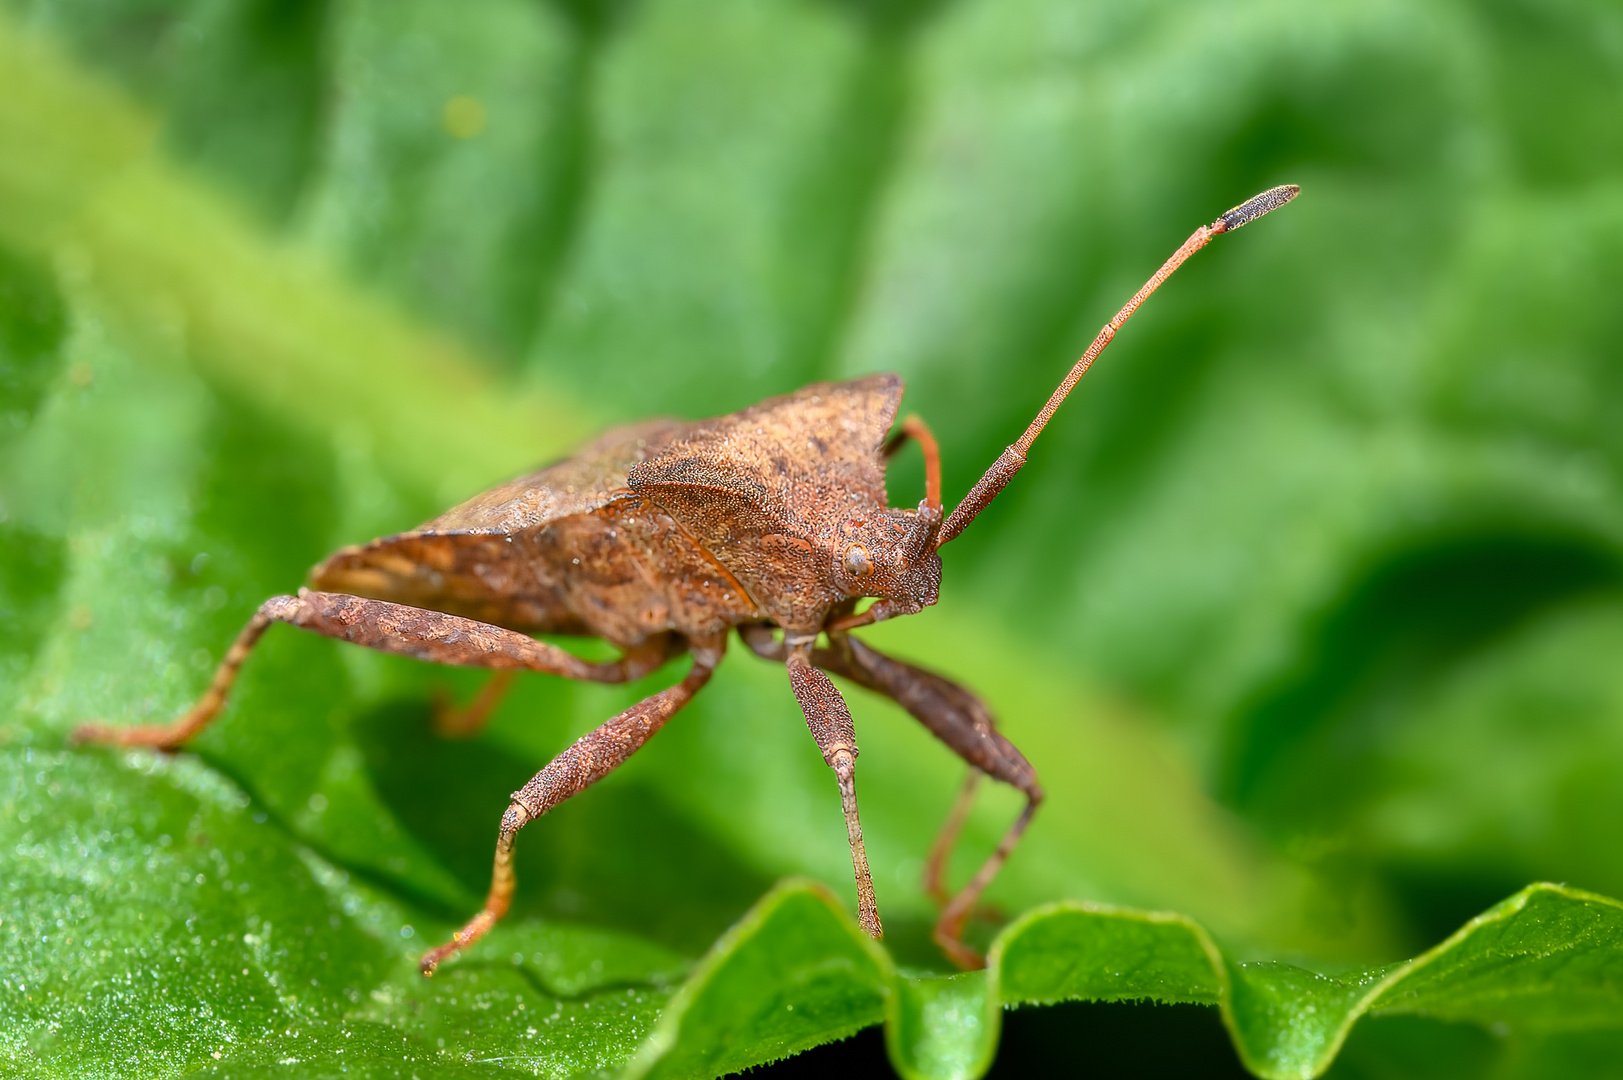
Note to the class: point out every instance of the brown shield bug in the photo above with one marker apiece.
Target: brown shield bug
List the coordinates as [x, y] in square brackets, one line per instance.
[661, 538]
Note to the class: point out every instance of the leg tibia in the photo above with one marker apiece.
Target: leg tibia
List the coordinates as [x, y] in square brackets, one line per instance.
[935, 867]
[591, 758]
[845, 769]
[208, 706]
[830, 724]
[949, 928]
[502, 884]
[959, 719]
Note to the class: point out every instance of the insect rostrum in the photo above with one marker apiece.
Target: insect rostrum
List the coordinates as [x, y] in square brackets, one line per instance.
[662, 538]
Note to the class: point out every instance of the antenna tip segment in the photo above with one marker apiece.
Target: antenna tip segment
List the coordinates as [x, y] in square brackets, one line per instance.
[1256, 206]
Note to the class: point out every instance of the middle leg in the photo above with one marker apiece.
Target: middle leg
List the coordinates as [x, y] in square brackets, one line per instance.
[590, 759]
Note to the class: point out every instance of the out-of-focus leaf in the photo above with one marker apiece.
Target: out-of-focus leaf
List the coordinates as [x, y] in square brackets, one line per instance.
[180, 268]
[453, 158]
[1468, 790]
[32, 322]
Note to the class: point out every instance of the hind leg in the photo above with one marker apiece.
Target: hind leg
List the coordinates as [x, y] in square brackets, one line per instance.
[935, 867]
[378, 624]
[461, 722]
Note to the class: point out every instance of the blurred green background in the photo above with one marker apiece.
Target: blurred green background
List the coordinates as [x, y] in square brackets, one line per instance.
[1308, 608]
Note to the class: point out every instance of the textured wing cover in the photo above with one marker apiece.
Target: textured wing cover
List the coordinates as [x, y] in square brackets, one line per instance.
[576, 485]
[479, 559]
[764, 489]
[577, 548]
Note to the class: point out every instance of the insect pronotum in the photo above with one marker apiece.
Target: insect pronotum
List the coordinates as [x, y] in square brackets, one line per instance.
[661, 538]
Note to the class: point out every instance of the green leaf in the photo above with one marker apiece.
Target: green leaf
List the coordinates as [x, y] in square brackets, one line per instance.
[298, 961]
[1305, 607]
[789, 976]
[155, 922]
[1549, 959]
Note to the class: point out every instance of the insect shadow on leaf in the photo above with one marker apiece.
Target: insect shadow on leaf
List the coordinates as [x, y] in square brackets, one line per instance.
[683, 889]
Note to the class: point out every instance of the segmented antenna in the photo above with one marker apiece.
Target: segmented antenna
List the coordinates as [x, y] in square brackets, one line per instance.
[1010, 461]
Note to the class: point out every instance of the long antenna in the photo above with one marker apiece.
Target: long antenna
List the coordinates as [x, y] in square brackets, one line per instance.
[1010, 461]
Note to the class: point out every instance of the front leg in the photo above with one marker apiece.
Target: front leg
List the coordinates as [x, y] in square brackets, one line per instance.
[593, 757]
[959, 719]
[830, 723]
[378, 624]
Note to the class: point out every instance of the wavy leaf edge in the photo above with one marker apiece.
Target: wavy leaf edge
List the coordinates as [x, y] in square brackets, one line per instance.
[1263, 1060]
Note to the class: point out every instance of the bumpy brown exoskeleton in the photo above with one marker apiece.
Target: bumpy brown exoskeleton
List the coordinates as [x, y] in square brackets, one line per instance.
[661, 538]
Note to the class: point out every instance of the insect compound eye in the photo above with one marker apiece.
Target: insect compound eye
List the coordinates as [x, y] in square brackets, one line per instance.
[856, 561]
